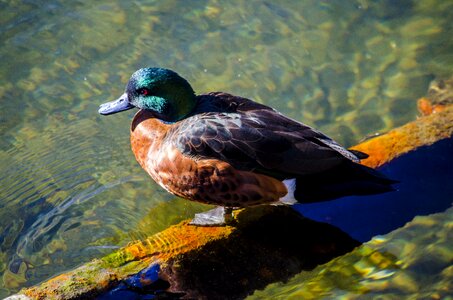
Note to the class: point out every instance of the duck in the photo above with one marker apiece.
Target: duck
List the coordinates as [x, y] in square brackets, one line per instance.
[232, 152]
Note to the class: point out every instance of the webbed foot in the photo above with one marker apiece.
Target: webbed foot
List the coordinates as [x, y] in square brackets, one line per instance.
[219, 216]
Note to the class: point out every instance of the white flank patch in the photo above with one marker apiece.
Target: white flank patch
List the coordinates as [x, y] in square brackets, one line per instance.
[291, 187]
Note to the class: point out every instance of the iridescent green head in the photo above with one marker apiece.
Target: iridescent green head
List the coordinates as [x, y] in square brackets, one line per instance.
[161, 91]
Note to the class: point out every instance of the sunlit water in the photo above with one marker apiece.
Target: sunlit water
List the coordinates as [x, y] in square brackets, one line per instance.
[70, 187]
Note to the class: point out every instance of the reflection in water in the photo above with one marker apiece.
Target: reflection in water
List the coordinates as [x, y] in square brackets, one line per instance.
[350, 68]
[424, 188]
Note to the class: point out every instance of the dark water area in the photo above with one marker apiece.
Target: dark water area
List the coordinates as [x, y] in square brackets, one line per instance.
[424, 188]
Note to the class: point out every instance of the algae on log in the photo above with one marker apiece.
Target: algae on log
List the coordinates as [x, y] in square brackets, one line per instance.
[102, 274]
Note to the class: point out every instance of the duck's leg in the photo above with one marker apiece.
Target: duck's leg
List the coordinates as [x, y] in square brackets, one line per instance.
[219, 216]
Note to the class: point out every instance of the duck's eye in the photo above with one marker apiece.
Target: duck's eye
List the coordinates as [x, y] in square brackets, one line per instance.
[144, 92]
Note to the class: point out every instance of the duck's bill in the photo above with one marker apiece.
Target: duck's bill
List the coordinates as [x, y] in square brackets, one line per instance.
[113, 107]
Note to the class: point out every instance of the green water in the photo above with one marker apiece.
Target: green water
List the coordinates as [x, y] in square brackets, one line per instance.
[70, 187]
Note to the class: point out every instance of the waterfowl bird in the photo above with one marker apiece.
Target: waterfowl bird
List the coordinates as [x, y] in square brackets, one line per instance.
[230, 151]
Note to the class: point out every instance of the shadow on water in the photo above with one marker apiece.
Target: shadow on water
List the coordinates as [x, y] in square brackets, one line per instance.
[281, 242]
[425, 188]
[271, 243]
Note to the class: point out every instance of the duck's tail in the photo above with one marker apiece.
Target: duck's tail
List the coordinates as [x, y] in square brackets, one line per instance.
[347, 179]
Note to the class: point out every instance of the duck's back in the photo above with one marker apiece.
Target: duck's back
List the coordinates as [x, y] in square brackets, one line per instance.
[253, 137]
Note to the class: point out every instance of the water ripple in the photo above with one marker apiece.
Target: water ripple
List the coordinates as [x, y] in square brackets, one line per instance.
[48, 223]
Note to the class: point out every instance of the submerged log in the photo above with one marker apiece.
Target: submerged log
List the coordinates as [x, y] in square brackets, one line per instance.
[424, 131]
[266, 244]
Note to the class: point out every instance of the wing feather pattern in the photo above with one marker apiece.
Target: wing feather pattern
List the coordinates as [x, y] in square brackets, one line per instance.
[253, 137]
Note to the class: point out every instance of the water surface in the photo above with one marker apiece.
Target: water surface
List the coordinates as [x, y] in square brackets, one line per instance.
[70, 187]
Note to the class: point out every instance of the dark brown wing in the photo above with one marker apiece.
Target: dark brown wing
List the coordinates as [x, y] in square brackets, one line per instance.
[251, 136]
